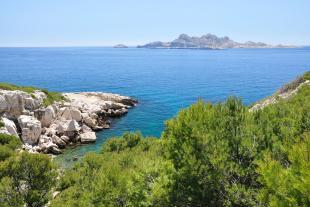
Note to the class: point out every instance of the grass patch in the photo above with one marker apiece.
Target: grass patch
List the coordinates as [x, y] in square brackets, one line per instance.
[51, 97]
[11, 87]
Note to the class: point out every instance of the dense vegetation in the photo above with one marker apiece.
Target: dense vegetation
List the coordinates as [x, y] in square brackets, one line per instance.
[51, 97]
[25, 179]
[208, 155]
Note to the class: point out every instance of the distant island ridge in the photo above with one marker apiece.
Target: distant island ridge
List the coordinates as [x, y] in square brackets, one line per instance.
[120, 46]
[208, 41]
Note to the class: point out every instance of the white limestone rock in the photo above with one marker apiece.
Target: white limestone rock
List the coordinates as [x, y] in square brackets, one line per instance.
[73, 126]
[88, 120]
[3, 104]
[45, 115]
[59, 142]
[76, 114]
[31, 129]
[87, 137]
[10, 127]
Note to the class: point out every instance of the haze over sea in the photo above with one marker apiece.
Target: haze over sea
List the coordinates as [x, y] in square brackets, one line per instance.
[163, 80]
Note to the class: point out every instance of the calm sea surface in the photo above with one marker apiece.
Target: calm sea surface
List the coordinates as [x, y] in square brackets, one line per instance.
[162, 80]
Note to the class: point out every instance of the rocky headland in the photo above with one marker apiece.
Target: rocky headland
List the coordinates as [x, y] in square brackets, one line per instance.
[49, 126]
[208, 41]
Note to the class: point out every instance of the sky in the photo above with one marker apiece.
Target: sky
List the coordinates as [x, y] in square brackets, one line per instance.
[38, 23]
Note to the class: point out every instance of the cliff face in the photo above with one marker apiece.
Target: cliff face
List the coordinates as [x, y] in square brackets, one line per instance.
[47, 129]
[208, 41]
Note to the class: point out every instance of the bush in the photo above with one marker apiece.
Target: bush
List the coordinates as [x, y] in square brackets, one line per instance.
[10, 141]
[30, 178]
[307, 75]
[124, 174]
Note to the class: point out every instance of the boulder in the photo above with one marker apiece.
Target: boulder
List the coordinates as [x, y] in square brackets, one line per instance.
[66, 114]
[72, 129]
[76, 114]
[73, 126]
[54, 150]
[88, 120]
[44, 139]
[86, 128]
[10, 126]
[15, 103]
[87, 137]
[45, 115]
[59, 142]
[31, 129]
[71, 113]
[64, 138]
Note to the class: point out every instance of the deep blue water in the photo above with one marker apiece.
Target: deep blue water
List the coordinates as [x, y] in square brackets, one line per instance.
[162, 80]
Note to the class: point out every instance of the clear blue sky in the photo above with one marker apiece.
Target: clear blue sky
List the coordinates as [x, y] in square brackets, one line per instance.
[102, 23]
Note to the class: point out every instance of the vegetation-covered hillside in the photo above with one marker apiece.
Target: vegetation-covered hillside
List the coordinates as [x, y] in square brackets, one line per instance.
[209, 155]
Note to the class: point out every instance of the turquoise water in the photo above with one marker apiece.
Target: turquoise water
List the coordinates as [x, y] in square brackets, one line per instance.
[162, 80]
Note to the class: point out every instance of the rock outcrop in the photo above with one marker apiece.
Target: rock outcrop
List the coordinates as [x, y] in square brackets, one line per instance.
[30, 129]
[48, 129]
[9, 127]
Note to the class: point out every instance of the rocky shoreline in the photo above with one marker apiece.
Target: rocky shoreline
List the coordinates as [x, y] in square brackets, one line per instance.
[48, 129]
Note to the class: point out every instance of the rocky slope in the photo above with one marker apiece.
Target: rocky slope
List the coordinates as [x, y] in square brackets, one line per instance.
[208, 41]
[284, 93]
[47, 129]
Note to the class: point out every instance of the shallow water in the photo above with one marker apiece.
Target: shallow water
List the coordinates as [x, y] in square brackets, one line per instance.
[162, 80]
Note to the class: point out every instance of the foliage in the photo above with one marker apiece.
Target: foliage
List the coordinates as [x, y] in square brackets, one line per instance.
[211, 150]
[8, 145]
[24, 178]
[307, 75]
[51, 97]
[123, 174]
[209, 155]
[287, 185]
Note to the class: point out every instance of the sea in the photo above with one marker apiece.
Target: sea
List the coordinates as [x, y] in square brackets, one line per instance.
[162, 80]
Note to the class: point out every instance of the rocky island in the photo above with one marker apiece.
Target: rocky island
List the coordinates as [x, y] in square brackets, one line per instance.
[208, 41]
[120, 46]
[47, 122]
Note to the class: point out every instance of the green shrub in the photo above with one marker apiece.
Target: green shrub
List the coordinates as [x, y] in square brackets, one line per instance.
[10, 141]
[307, 75]
[52, 97]
[32, 176]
